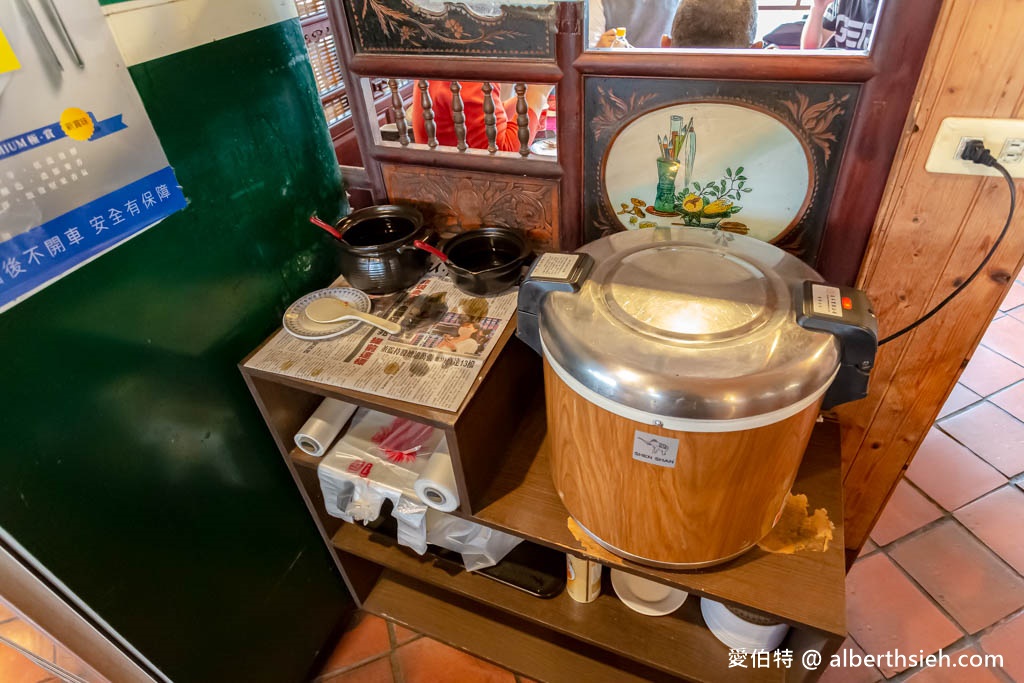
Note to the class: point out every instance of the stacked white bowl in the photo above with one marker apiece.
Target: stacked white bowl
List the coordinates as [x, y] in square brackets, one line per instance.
[741, 629]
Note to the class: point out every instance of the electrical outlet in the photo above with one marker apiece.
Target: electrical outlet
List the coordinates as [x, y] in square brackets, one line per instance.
[1012, 151]
[1003, 137]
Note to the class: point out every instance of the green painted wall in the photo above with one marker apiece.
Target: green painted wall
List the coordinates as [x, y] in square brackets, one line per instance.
[134, 463]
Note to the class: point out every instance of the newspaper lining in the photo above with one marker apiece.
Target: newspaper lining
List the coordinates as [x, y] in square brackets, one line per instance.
[446, 338]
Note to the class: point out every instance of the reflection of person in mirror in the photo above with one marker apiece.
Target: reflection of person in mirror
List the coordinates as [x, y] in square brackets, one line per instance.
[843, 24]
[713, 24]
[470, 340]
[507, 139]
[645, 22]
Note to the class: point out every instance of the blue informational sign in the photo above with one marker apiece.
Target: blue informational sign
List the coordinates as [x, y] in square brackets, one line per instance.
[81, 168]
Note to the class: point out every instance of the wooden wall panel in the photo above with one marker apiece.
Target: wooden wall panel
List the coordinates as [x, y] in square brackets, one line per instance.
[454, 201]
[930, 233]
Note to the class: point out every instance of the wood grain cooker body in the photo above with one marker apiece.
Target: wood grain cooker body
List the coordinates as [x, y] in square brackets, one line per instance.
[723, 495]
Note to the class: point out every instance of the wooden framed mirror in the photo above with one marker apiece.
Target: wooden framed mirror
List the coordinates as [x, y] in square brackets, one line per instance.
[847, 109]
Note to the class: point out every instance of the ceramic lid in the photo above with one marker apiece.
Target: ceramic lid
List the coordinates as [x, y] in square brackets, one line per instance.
[689, 323]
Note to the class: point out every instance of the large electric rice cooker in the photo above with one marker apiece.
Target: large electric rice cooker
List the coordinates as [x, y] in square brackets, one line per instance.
[684, 370]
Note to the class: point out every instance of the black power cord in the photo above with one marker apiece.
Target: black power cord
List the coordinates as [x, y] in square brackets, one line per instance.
[974, 151]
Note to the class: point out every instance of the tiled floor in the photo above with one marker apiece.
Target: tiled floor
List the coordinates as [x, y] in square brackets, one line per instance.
[376, 651]
[945, 568]
[16, 667]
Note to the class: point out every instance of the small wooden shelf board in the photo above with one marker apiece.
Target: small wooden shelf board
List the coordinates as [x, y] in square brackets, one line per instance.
[500, 456]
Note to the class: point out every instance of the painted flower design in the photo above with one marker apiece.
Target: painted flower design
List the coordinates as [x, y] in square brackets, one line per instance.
[406, 33]
[454, 27]
[816, 119]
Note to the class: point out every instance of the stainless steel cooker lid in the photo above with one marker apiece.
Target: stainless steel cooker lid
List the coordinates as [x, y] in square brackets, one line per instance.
[689, 323]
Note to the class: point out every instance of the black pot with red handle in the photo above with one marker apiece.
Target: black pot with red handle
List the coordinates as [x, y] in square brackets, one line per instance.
[484, 261]
[377, 251]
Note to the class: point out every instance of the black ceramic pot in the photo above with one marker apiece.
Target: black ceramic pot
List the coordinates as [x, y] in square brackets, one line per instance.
[377, 252]
[486, 261]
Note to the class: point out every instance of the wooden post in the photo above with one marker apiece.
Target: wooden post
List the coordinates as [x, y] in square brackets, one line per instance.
[398, 109]
[569, 47]
[490, 123]
[428, 114]
[458, 117]
[523, 119]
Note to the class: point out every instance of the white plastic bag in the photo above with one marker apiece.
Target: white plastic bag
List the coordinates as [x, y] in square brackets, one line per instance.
[411, 515]
[379, 457]
[480, 546]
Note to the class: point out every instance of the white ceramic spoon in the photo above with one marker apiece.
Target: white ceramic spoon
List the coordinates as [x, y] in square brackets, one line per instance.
[330, 310]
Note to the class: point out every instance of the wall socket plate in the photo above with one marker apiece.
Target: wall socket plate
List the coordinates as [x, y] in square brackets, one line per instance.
[1003, 137]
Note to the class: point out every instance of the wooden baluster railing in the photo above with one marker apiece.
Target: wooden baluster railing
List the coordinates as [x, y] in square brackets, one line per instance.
[458, 116]
[490, 123]
[523, 119]
[398, 109]
[428, 114]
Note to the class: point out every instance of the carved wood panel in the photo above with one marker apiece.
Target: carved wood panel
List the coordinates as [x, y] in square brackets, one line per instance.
[407, 27]
[456, 201]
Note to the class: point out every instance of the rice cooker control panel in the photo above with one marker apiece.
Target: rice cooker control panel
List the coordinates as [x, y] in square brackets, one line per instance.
[845, 312]
[551, 272]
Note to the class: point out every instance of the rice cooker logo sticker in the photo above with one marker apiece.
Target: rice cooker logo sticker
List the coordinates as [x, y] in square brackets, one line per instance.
[655, 449]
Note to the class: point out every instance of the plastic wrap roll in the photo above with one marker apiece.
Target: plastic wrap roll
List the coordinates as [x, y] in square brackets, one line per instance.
[323, 426]
[436, 486]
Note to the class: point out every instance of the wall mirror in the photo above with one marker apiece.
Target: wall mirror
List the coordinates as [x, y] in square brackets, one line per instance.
[753, 26]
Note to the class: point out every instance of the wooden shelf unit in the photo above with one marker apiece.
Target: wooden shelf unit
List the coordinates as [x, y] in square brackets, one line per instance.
[499, 453]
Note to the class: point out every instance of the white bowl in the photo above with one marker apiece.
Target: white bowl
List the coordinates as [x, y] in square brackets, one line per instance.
[738, 633]
[645, 596]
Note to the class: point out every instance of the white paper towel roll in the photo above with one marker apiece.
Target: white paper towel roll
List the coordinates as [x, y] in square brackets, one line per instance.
[323, 426]
[436, 486]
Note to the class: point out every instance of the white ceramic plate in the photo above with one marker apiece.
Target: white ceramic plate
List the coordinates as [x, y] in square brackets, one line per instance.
[545, 148]
[626, 587]
[297, 324]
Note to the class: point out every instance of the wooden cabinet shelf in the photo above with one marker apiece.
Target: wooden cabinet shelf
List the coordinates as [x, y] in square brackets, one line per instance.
[803, 589]
[660, 643]
[500, 456]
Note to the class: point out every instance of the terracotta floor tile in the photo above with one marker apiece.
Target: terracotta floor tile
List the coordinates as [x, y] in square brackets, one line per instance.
[962, 575]
[427, 661]
[858, 674]
[885, 611]
[1006, 640]
[949, 473]
[366, 637]
[16, 667]
[988, 372]
[1014, 298]
[906, 511]
[998, 520]
[377, 671]
[1018, 313]
[1004, 336]
[992, 433]
[1011, 400]
[960, 397]
[402, 634]
[869, 547]
[29, 637]
[951, 674]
